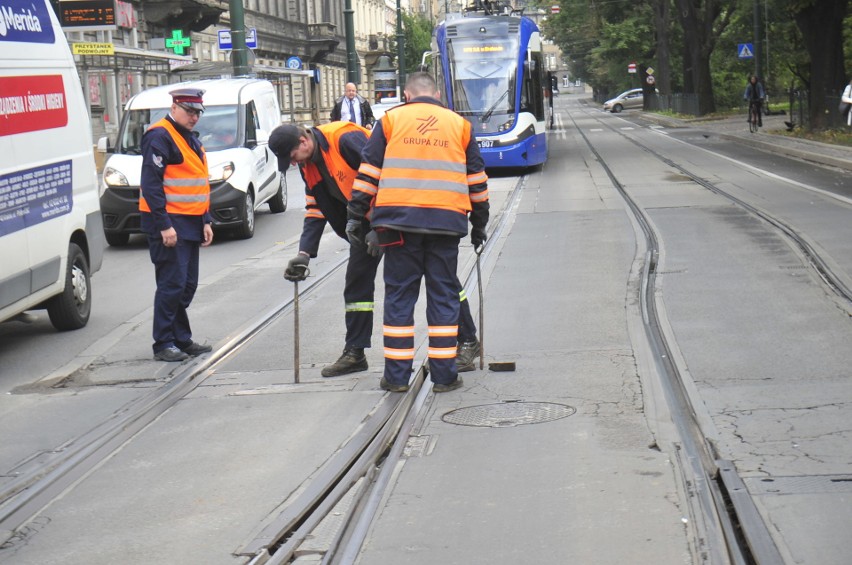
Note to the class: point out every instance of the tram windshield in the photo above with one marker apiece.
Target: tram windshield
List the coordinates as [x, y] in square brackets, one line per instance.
[483, 78]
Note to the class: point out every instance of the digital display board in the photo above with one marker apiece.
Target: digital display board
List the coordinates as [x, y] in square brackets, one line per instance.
[78, 15]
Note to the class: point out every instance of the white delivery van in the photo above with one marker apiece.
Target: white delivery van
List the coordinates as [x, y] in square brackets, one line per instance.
[234, 129]
[51, 235]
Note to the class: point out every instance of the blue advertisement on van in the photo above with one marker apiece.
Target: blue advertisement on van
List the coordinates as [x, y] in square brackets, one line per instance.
[25, 21]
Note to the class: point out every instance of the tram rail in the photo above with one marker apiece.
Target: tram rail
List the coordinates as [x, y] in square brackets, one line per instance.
[726, 516]
[26, 495]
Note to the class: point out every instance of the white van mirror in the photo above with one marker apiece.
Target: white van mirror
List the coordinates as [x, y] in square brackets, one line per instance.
[262, 136]
[103, 145]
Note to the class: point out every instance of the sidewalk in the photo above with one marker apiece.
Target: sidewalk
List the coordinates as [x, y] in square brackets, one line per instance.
[769, 138]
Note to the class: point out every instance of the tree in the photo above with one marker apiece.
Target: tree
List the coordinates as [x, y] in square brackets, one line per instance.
[417, 31]
[821, 25]
[702, 22]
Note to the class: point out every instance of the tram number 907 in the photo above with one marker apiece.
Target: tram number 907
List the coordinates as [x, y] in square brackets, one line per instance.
[485, 143]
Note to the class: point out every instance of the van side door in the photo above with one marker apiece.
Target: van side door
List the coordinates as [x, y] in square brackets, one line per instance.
[265, 166]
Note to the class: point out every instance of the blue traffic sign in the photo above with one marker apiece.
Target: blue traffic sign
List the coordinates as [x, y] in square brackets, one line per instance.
[745, 51]
[226, 43]
[294, 63]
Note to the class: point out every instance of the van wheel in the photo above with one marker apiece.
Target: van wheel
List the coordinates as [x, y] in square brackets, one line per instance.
[70, 310]
[117, 239]
[246, 229]
[278, 203]
[617, 109]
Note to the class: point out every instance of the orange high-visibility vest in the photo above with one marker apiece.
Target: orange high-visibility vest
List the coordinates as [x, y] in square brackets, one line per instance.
[338, 168]
[425, 164]
[186, 186]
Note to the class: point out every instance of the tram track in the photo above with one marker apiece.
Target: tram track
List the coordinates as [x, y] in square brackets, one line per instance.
[359, 460]
[729, 528]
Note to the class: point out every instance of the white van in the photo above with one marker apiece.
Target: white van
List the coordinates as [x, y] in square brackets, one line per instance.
[51, 235]
[234, 130]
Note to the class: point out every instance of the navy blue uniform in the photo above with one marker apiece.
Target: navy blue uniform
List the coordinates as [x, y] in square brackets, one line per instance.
[176, 268]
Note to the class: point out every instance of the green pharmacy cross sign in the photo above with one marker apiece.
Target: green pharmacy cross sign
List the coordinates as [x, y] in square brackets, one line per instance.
[177, 42]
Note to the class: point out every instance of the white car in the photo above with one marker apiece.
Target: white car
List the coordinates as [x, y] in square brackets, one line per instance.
[234, 129]
[379, 108]
[627, 100]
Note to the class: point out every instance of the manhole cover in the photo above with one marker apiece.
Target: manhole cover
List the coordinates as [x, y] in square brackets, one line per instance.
[507, 414]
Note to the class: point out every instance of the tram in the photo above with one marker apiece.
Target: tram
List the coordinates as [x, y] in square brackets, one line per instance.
[491, 70]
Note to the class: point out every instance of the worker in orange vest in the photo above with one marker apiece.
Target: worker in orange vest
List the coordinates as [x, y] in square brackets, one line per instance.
[174, 207]
[421, 180]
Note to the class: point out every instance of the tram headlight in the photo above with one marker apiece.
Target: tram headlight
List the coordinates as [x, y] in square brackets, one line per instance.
[506, 126]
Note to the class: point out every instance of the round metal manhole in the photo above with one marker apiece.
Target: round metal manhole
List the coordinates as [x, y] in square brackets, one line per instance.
[507, 414]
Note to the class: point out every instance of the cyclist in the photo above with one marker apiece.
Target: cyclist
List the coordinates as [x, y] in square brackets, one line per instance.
[755, 94]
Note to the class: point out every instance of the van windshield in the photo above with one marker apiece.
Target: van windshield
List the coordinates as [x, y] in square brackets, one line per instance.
[217, 128]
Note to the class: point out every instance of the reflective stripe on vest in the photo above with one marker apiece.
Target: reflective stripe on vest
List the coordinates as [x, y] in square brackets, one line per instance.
[186, 185]
[425, 163]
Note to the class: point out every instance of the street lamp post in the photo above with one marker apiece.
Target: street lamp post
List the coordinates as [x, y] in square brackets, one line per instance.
[400, 48]
[239, 51]
[352, 66]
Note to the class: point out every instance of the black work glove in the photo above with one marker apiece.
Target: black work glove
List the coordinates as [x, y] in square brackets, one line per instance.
[372, 240]
[297, 268]
[477, 237]
[355, 231]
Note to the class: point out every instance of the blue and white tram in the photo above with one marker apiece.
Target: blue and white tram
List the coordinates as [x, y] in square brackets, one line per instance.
[492, 73]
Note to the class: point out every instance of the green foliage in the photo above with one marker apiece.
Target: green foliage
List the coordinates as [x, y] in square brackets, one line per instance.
[600, 37]
[417, 31]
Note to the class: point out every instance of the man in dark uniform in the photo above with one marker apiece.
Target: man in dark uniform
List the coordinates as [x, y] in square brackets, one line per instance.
[174, 205]
[421, 175]
[328, 157]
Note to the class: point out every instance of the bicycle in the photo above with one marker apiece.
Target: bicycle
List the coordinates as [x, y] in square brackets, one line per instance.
[753, 117]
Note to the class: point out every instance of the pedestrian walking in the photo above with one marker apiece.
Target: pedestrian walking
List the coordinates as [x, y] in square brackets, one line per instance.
[420, 178]
[846, 103]
[175, 215]
[352, 107]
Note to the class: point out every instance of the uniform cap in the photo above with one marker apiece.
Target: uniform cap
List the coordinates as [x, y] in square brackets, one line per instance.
[189, 97]
[282, 141]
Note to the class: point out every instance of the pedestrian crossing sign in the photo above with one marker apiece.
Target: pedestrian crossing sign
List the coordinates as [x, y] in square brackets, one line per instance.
[745, 51]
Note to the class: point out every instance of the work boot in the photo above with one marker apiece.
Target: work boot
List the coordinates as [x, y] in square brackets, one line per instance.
[438, 387]
[390, 387]
[466, 356]
[352, 361]
[171, 354]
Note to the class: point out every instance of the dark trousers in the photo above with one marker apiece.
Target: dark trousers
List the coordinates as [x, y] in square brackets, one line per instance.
[358, 296]
[435, 258]
[176, 271]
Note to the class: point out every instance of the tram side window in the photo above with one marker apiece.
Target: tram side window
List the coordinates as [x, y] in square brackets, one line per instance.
[536, 86]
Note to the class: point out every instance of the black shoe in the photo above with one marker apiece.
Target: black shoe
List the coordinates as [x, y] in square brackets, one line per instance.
[392, 387]
[467, 353]
[352, 361]
[438, 387]
[171, 354]
[194, 349]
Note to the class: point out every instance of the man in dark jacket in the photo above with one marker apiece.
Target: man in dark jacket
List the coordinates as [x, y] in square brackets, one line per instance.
[351, 107]
[422, 179]
[175, 215]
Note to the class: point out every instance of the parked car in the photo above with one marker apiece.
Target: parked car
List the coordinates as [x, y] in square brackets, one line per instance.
[627, 100]
[379, 108]
[234, 129]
